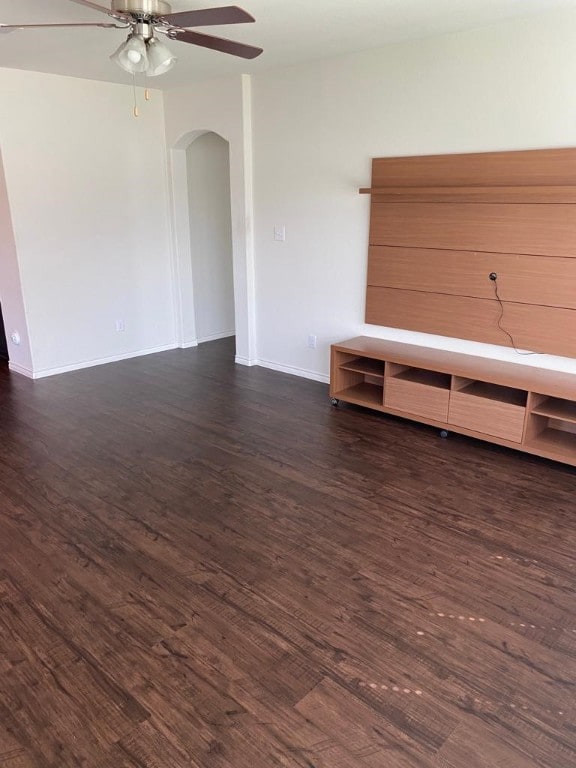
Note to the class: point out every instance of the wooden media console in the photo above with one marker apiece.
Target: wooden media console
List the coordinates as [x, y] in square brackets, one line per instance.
[518, 406]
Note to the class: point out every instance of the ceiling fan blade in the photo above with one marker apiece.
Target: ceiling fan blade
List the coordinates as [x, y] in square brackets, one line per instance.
[94, 6]
[108, 11]
[13, 27]
[207, 17]
[216, 43]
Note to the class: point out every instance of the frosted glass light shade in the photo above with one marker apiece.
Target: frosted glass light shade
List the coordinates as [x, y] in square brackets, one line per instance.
[160, 58]
[132, 55]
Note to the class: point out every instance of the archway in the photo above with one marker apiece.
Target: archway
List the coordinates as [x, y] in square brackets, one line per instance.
[242, 256]
[208, 166]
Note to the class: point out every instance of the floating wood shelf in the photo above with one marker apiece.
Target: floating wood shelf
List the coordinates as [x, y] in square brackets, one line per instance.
[551, 195]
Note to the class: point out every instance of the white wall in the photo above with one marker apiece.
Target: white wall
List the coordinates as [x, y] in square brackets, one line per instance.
[88, 192]
[208, 165]
[316, 127]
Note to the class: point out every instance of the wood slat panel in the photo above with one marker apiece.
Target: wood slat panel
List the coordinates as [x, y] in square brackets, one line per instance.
[531, 229]
[542, 280]
[541, 329]
[524, 194]
[534, 167]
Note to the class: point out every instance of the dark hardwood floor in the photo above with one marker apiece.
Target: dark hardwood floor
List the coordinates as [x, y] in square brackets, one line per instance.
[207, 566]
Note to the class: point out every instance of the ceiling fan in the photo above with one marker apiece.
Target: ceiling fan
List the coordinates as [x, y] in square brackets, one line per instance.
[142, 51]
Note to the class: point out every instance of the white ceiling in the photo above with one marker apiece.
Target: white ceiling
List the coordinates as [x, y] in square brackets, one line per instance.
[290, 31]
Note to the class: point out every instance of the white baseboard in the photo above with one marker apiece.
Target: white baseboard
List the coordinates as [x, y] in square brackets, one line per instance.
[21, 369]
[245, 361]
[43, 373]
[216, 336]
[294, 371]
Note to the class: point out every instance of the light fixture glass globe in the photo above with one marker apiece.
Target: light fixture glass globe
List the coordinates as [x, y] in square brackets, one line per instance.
[160, 58]
[132, 55]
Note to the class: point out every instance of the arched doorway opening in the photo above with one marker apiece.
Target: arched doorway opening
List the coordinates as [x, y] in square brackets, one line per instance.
[242, 247]
[210, 218]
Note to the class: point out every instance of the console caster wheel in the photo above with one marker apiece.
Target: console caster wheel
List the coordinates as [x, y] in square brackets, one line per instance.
[444, 434]
[335, 402]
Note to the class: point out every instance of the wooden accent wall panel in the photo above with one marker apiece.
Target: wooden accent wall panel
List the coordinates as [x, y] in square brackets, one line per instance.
[543, 280]
[537, 328]
[440, 224]
[513, 228]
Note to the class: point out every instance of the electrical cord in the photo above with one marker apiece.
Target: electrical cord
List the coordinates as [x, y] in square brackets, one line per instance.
[494, 278]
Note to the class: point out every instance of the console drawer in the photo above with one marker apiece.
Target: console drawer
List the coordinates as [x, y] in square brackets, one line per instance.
[417, 399]
[489, 417]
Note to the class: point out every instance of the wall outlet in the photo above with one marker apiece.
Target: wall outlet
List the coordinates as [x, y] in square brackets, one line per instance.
[120, 326]
[280, 234]
[312, 341]
[15, 338]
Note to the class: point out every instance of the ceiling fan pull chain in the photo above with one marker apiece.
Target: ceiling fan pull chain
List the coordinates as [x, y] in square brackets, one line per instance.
[136, 110]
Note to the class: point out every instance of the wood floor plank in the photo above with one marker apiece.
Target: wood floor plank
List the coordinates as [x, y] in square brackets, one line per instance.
[472, 747]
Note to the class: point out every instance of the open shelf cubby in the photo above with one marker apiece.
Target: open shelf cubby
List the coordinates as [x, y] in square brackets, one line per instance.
[490, 391]
[551, 435]
[365, 365]
[363, 393]
[423, 376]
[359, 379]
[556, 408]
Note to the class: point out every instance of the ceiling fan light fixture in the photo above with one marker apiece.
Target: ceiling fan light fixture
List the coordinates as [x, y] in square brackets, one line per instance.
[160, 58]
[132, 55]
[141, 52]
